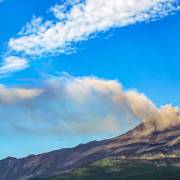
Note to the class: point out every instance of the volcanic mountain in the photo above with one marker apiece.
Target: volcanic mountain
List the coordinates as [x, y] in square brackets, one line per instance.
[141, 140]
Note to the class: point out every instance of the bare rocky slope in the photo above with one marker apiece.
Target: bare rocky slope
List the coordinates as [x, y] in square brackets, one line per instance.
[135, 142]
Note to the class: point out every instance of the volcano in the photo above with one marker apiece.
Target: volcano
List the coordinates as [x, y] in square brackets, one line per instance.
[139, 141]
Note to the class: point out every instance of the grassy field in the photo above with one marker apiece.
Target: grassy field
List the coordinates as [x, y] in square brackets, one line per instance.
[116, 169]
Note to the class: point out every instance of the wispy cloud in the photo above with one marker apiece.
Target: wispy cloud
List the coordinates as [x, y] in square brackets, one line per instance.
[80, 20]
[12, 64]
[81, 105]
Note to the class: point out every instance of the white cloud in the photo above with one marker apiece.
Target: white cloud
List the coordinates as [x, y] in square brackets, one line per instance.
[80, 20]
[69, 105]
[12, 64]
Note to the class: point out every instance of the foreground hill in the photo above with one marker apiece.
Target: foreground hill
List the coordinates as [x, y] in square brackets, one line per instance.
[149, 167]
[136, 142]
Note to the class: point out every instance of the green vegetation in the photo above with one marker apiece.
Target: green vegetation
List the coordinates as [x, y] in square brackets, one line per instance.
[122, 169]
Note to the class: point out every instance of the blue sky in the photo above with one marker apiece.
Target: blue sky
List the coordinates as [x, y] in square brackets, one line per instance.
[143, 56]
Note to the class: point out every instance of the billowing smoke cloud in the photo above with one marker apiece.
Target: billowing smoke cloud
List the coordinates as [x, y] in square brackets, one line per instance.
[13, 95]
[156, 119]
[81, 105]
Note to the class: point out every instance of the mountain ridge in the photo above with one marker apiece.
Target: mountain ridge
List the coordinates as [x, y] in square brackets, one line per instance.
[139, 140]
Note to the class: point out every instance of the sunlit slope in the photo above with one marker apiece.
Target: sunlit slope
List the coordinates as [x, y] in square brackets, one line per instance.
[155, 167]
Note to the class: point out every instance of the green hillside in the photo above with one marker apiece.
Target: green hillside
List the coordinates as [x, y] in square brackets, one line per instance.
[125, 169]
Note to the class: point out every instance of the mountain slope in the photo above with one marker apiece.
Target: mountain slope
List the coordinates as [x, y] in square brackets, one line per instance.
[137, 141]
